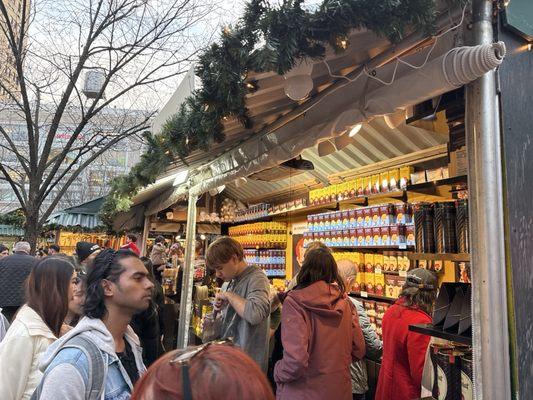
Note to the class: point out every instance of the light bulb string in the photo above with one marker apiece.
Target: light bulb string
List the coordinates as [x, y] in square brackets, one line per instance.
[399, 60]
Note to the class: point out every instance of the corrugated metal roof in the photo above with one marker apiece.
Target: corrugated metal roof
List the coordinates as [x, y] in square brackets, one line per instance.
[9, 230]
[375, 142]
[270, 103]
[84, 220]
[84, 215]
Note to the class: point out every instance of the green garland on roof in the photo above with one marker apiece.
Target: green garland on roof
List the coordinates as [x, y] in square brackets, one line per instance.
[266, 38]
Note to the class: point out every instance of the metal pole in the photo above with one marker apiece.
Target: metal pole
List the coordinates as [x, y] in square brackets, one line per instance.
[146, 233]
[490, 322]
[188, 274]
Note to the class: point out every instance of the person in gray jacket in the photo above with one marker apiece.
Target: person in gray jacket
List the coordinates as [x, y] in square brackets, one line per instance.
[374, 346]
[245, 305]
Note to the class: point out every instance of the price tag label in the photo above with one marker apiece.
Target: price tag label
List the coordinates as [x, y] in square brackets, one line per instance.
[403, 274]
[364, 294]
[402, 246]
[378, 271]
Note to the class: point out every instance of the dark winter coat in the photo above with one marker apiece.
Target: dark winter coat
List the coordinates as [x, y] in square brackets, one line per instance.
[14, 270]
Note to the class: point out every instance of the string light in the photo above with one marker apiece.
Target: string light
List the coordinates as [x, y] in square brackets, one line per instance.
[355, 130]
[252, 86]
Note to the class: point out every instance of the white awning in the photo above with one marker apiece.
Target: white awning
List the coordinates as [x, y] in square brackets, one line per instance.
[355, 102]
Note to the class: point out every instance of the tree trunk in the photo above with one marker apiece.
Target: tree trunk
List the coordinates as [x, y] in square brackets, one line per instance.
[32, 230]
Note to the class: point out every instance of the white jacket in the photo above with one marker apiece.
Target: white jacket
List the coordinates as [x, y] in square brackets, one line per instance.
[27, 338]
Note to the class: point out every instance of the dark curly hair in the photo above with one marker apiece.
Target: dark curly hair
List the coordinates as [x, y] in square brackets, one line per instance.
[107, 266]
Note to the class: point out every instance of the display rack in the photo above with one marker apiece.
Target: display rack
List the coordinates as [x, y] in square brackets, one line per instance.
[396, 247]
[430, 330]
[398, 195]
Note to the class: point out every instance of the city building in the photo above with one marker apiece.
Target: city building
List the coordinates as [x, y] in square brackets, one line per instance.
[94, 180]
[8, 74]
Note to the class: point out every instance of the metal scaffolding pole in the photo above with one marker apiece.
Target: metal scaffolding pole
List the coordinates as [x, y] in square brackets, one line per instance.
[188, 274]
[490, 322]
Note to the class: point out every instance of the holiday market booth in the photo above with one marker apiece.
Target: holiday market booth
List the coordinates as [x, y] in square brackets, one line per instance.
[81, 223]
[391, 155]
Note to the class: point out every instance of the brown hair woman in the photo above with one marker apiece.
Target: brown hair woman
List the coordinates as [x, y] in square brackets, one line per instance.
[50, 285]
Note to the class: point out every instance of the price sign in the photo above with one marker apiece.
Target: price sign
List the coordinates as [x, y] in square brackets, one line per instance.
[403, 274]
[364, 294]
[378, 271]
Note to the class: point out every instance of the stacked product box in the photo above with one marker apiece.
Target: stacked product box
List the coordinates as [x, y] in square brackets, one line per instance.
[387, 181]
[271, 261]
[384, 225]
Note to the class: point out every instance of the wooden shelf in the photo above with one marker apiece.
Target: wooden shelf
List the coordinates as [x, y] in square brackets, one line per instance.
[427, 189]
[397, 247]
[430, 330]
[459, 257]
[372, 296]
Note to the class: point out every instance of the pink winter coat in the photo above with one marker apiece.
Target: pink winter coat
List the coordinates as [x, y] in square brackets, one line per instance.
[321, 336]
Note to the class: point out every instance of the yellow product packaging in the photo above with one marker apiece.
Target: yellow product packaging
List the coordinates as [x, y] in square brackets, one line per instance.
[362, 279]
[405, 263]
[394, 179]
[367, 185]
[375, 183]
[369, 262]
[386, 264]
[384, 182]
[393, 262]
[378, 262]
[379, 284]
[359, 187]
[405, 176]
[370, 282]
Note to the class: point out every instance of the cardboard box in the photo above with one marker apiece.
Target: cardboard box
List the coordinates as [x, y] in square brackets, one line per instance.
[458, 162]
[433, 175]
[418, 177]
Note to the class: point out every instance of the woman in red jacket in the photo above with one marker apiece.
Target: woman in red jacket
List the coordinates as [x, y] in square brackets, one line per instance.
[320, 334]
[404, 351]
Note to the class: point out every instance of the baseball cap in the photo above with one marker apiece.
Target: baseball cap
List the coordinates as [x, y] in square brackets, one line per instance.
[422, 279]
[85, 249]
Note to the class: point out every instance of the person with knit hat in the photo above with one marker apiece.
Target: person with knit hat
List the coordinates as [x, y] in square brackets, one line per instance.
[86, 253]
[404, 352]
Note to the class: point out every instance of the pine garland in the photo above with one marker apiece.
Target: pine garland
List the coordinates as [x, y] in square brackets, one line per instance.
[266, 38]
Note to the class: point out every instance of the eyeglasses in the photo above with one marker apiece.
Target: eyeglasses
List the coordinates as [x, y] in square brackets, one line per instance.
[184, 360]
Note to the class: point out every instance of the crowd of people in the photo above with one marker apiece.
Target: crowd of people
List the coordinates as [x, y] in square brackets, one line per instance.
[87, 327]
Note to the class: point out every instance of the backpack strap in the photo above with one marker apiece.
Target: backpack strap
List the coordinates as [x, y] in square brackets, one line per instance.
[96, 368]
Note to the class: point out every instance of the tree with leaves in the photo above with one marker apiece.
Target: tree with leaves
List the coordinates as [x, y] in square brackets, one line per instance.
[58, 48]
